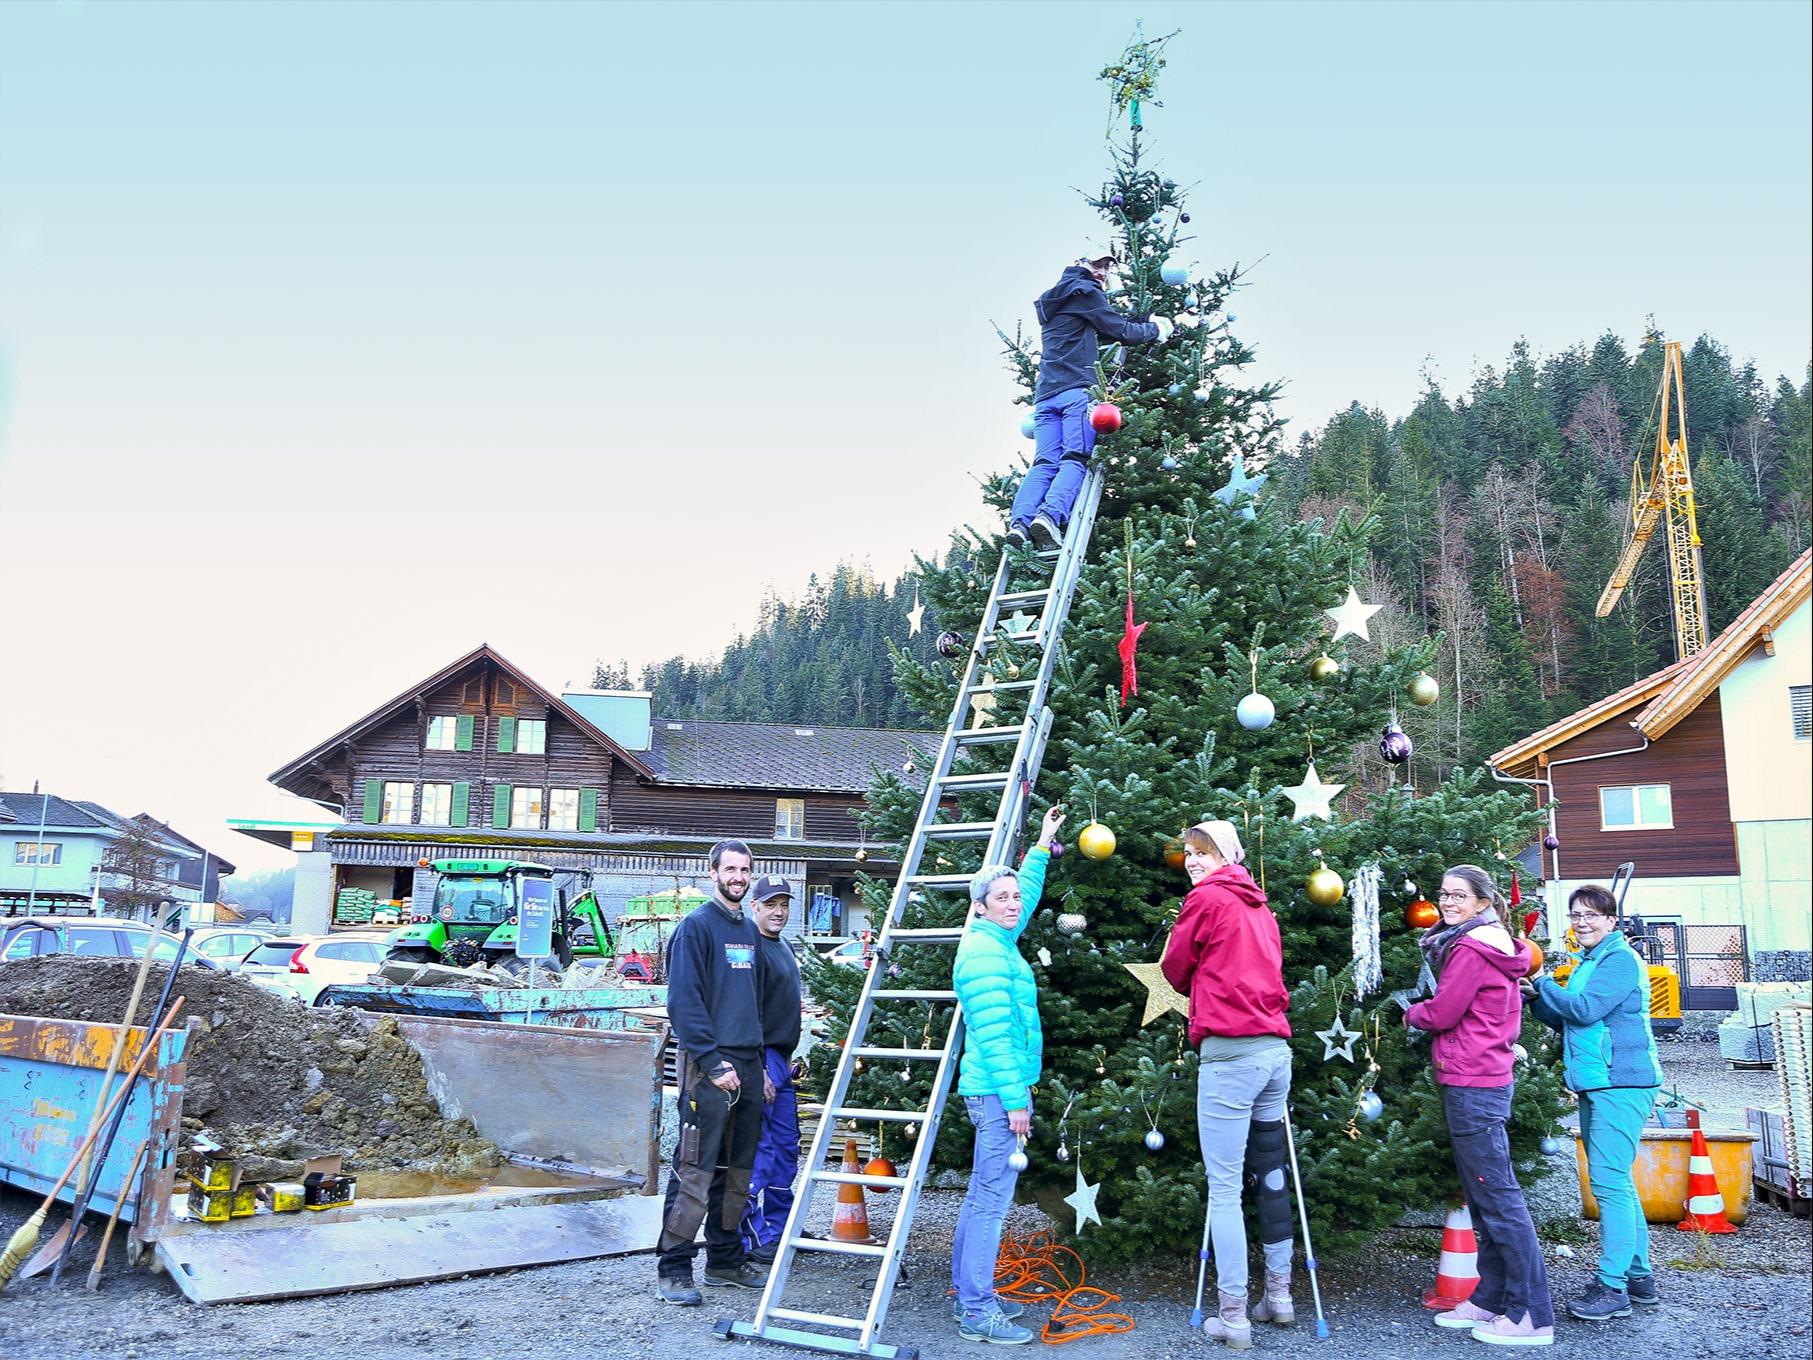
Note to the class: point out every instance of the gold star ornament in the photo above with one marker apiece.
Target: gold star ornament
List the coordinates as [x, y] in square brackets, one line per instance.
[1161, 996]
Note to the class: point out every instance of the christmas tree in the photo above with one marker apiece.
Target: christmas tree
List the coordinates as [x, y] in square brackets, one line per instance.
[1151, 735]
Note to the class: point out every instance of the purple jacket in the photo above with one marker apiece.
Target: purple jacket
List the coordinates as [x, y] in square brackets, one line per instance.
[1476, 1012]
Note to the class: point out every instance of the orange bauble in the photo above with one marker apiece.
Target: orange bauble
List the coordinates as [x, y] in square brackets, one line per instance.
[1535, 959]
[880, 1166]
[1421, 914]
[1174, 856]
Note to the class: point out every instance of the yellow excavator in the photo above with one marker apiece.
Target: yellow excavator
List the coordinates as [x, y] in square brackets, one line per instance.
[1666, 491]
[1664, 981]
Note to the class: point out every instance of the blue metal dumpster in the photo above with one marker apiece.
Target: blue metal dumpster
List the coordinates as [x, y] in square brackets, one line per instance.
[570, 1008]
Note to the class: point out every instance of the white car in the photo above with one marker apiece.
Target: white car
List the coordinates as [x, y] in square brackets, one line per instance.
[303, 966]
[851, 953]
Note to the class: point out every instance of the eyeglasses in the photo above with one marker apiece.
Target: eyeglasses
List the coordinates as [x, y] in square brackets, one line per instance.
[1454, 897]
[1581, 918]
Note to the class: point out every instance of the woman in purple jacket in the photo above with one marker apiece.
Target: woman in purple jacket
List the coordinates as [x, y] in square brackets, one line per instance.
[1475, 1016]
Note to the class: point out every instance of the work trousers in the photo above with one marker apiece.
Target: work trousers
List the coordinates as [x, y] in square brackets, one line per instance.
[991, 1190]
[1512, 1278]
[1063, 440]
[1611, 1125]
[1230, 1095]
[713, 1161]
[776, 1158]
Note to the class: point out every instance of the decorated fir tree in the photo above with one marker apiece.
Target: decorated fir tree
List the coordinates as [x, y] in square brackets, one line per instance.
[1197, 595]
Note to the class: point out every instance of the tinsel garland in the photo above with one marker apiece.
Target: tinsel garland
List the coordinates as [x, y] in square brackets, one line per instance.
[1368, 971]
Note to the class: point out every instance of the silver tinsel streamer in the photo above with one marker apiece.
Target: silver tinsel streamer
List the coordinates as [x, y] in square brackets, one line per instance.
[1368, 972]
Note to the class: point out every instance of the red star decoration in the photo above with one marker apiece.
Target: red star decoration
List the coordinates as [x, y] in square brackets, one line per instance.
[1128, 645]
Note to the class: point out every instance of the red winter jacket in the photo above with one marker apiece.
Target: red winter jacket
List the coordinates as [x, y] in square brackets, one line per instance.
[1476, 1011]
[1224, 955]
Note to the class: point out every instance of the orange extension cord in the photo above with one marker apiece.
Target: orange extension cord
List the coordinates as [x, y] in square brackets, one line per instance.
[1031, 1269]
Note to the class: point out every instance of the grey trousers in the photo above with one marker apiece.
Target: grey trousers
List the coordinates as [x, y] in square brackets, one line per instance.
[1229, 1097]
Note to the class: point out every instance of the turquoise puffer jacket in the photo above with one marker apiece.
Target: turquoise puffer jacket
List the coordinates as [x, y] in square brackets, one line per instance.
[1000, 1000]
[1603, 1016]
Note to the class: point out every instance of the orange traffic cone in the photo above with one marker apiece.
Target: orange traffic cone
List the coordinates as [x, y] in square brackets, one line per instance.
[1705, 1205]
[1458, 1274]
[850, 1221]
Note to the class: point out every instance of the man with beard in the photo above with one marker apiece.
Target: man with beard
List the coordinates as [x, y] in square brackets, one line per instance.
[714, 1005]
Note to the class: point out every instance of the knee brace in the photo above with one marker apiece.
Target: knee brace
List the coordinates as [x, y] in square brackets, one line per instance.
[1266, 1154]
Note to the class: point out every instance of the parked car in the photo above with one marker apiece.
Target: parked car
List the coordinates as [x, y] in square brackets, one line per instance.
[224, 945]
[25, 936]
[303, 966]
[851, 953]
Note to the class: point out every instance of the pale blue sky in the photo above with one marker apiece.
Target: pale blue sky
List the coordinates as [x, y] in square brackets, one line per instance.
[338, 338]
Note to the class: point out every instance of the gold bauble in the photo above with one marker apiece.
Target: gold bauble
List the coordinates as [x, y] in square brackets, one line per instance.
[1189, 543]
[1095, 841]
[1324, 887]
[862, 856]
[1324, 668]
[1424, 690]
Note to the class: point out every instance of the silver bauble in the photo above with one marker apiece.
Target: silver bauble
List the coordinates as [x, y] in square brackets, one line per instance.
[1063, 1152]
[1016, 1160]
[1072, 922]
[1370, 1107]
[1154, 1140]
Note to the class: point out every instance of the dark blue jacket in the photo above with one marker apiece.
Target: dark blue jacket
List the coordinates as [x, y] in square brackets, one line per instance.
[714, 999]
[1074, 317]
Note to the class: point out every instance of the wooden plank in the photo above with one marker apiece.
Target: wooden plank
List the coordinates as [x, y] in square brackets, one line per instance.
[336, 1258]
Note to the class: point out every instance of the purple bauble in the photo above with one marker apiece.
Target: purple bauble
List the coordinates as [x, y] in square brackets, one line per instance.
[1551, 842]
[1394, 744]
[1057, 849]
[1183, 217]
[1117, 200]
[951, 645]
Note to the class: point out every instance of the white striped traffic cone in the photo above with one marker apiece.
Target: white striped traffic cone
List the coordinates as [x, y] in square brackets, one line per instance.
[1458, 1274]
[1705, 1205]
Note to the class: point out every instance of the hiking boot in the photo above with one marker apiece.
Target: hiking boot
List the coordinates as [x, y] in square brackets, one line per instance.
[744, 1276]
[1016, 535]
[1642, 1289]
[1465, 1314]
[1044, 532]
[678, 1291]
[1275, 1304]
[1229, 1324]
[1601, 1302]
[764, 1253]
[996, 1328]
[1009, 1309]
[1501, 1331]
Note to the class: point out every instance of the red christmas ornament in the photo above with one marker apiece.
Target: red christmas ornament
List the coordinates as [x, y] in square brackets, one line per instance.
[1421, 914]
[1129, 643]
[1516, 891]
[1105, 417]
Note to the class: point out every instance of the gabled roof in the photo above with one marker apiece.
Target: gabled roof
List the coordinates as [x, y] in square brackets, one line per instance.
[29, 809]
[777, 755]
[483, 653]
[1673, 692]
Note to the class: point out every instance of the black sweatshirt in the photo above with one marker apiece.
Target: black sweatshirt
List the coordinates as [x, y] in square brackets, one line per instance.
[713, 986]
[780, 996]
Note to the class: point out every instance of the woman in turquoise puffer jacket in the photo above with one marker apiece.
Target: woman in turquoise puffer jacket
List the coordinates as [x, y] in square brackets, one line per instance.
[1001, 1056]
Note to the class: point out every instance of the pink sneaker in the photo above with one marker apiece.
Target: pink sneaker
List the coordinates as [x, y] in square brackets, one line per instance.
[1465, 1314]
[1501, 1331]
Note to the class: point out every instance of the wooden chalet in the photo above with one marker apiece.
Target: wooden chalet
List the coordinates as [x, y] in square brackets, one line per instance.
[1699, 775]
[480, 761]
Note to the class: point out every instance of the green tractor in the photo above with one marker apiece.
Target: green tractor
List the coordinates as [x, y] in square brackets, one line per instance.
[477, 903]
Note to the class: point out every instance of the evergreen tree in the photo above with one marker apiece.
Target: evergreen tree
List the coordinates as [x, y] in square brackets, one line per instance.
[1740, 555]
[1230, 591]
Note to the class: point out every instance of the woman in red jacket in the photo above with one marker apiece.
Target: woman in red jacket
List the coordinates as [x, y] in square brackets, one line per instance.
[1225, 956]
[1475, 1016]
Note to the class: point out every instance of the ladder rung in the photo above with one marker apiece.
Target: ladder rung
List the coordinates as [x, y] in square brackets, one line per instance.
[818, 1319]
[1001, 685]
[939, 881]
[975, 781]
[959, 831]
[897, 1116]
[985, 736]
[847, 1248]
[912, 994]
[927, 935]
[857, 1178]
[900, 1052]
[1023, 596]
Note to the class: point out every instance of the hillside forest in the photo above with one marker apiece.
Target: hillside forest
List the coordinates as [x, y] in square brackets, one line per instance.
[1496, 516]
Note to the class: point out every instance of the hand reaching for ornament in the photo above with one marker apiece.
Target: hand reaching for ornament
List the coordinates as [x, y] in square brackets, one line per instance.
[1165, 327]
[1048, 830]
[1020, 1121]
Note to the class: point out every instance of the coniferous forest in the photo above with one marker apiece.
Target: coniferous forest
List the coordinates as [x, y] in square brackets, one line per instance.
[1499, 513]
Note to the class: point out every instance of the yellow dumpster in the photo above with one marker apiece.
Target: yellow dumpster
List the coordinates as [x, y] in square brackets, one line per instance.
[1661, 1172]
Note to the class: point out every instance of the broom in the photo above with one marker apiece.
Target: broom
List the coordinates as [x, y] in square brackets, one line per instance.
[26, 1238]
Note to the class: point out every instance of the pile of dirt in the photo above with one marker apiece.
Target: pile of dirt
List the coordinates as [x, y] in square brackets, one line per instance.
[269, 1078]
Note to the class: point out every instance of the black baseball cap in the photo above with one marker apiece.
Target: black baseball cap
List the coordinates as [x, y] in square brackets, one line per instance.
[766, 888]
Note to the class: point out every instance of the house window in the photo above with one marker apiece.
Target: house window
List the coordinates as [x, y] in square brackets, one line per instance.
[563, 809]
[443, 734]
[1635, 807]
[1800, 699]
[531, 736]
[437, 805]
[399, 803]
[41, 853]
[525, 807]
[790, 819]
[503, 694]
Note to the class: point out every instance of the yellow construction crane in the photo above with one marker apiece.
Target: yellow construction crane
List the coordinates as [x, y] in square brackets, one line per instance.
[1668, 488]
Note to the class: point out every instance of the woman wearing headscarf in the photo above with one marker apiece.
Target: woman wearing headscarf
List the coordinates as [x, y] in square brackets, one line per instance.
[1603, 1016]
[1224, 954]
[1002, 1052]
[1475, 1016]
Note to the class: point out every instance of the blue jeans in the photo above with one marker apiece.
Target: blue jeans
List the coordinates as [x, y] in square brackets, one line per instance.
[1512, 1278]
[776, 1157]
[1229, 1097]
[1611, 1125]
[991, 1190]
[1063, 439]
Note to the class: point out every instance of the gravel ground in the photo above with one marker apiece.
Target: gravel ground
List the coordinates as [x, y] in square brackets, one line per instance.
[1741, 1295]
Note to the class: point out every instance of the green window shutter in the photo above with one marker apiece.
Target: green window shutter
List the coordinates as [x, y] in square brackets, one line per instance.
[500, 807]
[506, 736]
[462, 738]
[374, 800]
[462, 801]
[588, 809]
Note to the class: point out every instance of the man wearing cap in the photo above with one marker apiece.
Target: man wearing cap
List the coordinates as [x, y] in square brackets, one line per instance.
[777, 1155]
[1074, 318]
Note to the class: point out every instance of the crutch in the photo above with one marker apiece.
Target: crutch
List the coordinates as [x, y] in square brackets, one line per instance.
[1309, 1252]
[1202, 1258]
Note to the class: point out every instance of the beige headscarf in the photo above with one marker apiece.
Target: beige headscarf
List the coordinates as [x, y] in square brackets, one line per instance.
[1224, 838]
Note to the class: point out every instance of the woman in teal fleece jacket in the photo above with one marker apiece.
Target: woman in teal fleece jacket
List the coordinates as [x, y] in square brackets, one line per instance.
[1603, 1016]
[1002, 1049]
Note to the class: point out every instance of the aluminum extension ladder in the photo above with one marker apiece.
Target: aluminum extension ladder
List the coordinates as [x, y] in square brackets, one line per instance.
[1030, 618]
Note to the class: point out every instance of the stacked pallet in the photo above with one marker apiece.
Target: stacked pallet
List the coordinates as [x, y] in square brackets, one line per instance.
[1793, 1030]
